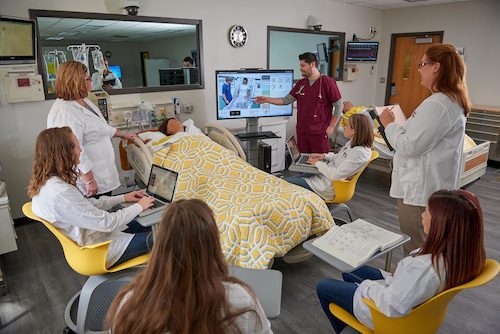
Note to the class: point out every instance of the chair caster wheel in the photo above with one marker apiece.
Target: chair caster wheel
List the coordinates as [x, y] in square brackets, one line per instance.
[68, 330]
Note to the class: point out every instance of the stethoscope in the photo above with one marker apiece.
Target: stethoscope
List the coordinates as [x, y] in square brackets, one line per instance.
[320, 96]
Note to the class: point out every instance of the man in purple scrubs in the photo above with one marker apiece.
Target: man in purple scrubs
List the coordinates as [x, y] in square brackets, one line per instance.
[316, 94]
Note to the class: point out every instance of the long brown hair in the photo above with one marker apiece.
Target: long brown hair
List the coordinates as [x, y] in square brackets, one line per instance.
[456, 234]
[181, 290]
[451, 76]
[363, 130]
[71, 83]
[54, 156]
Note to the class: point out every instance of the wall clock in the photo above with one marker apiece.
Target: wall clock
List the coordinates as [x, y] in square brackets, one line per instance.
[238, 36]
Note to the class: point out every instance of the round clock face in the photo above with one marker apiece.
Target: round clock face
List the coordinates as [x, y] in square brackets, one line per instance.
[238, 36]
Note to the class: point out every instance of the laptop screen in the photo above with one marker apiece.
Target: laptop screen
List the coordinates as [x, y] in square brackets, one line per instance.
[162, 183]
[292, 147]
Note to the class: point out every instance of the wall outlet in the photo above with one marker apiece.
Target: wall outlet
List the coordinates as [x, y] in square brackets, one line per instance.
[373, 30]
[187, 108]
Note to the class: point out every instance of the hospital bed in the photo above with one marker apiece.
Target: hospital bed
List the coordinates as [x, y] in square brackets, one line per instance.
[259, 215]
[474, 157]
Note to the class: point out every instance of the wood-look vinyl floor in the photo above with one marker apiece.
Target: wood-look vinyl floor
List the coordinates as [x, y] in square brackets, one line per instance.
[40, 282]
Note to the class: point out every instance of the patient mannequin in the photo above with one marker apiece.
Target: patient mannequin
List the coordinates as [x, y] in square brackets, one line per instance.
[172, 126]
[169, 128]
[347, 106]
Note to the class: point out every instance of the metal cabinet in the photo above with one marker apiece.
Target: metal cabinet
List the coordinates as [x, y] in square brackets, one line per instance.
[483, 124]
[7, 235]
[7, 232]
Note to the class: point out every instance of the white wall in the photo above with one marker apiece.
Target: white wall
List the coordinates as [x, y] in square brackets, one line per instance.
[21, 123]
[475, 25]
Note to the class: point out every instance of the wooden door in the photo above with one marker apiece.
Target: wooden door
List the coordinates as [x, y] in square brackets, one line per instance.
[404, 85]
[334, 64]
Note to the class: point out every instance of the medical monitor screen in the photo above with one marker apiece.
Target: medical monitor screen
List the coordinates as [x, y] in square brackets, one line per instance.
[17, 41]
[236, 92]
[361, 51]
[117, 70]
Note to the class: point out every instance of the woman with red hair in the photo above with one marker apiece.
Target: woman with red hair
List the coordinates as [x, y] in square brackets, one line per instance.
[452, 254]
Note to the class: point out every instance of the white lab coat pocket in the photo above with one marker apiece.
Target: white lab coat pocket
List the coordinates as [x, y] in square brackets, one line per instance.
[411, 176]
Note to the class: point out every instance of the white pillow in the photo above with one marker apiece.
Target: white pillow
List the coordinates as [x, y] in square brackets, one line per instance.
[153, 136]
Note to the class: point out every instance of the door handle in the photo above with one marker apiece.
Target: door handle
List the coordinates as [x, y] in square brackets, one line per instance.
[393, 89]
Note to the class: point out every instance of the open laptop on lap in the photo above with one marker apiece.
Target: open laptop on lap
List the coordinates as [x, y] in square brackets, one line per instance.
[161, 186]
[299, 160]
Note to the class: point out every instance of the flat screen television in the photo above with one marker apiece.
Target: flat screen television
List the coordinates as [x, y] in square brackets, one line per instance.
[361, 51]
[236, 91]
[116, 69]
[17, 41]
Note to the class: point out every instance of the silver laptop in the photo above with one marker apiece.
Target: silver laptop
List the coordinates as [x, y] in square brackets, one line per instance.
[300, 159]
[161, 186]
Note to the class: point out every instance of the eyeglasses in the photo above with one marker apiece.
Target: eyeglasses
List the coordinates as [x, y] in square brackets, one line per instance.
[423, 63]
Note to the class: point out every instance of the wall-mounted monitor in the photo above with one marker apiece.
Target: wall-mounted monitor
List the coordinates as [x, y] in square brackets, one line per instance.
[236, 91]
[17, 41]
[361, 51]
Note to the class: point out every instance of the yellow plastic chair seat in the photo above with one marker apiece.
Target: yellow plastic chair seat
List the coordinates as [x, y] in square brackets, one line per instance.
[344, 189]
[423, 319]
[86, 260]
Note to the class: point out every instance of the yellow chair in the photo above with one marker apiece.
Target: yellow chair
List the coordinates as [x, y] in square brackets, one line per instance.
[344, 190]
[423, 319]
[102, 285]
[87, 260]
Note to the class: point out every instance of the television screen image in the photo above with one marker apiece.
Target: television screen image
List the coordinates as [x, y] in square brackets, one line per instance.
[17, 41]
[117, 70]
[236, 92]
[361, 51]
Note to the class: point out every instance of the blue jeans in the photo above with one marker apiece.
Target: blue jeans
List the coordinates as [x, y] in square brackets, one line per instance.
[141, 243]
[299, 180]
[341, 293]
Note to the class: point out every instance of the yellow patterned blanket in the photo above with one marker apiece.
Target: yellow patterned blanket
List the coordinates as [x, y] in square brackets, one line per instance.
[259, 215]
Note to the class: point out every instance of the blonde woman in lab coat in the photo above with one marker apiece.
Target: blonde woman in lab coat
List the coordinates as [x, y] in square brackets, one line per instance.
[98, 172]
[429, 145]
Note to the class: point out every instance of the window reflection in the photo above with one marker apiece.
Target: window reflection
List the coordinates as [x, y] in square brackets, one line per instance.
[121, 54]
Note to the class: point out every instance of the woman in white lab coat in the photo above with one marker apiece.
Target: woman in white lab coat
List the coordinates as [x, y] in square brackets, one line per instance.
[85, 221]
[98, 172]
[353, 156]
[429, 145]
[452, 254]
